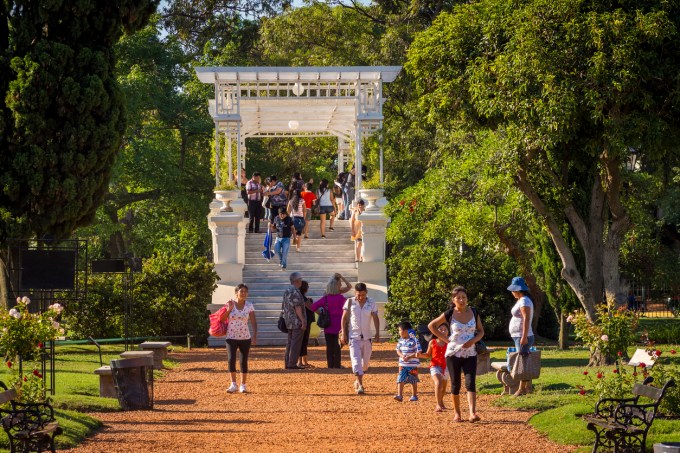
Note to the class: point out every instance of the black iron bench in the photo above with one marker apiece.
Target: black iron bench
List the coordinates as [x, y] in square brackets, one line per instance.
[622, 424]
[29, 427]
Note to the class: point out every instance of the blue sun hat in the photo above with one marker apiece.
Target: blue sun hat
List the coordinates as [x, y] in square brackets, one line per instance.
[518, 284]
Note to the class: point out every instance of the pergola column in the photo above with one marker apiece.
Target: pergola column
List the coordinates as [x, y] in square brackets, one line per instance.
[357, 161]
[343, 149]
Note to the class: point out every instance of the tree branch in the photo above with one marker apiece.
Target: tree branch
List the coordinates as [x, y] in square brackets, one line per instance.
[569, 271]
[123, 199]
[355, 6]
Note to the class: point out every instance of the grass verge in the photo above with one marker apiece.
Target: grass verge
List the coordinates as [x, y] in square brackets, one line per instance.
[558, 403]
[77, 390]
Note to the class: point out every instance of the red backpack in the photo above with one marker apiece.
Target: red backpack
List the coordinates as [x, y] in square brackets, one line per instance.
[218, 328]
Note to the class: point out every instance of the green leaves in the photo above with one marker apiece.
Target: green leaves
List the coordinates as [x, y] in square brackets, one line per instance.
[63, 112]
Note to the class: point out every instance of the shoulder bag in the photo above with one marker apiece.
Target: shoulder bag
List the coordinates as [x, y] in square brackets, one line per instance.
[524, 366]
[480, 346]
[218, 328]
[281, 324]
[323, 319]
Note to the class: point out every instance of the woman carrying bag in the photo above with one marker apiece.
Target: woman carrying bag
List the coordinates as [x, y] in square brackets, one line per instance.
[239, 312]
[520, 323]
[332, 302]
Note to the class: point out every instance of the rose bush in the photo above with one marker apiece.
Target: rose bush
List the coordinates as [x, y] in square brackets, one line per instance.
[618, 382]
[22, 336]
[612, 332]
[22, 332]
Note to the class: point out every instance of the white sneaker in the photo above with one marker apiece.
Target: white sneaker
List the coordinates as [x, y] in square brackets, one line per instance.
[243, 388]
[232, 388]
[360, 390]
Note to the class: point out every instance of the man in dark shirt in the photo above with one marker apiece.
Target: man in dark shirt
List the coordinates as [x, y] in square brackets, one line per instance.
[283, 225]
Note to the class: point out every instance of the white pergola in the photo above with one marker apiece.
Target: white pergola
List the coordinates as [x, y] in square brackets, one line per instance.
[345, 102]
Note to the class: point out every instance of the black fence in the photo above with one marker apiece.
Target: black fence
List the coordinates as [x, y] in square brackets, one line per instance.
[654, 303]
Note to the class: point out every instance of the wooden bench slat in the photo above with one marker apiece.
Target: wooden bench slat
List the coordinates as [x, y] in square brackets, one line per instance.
[648, 391]
[8, 395]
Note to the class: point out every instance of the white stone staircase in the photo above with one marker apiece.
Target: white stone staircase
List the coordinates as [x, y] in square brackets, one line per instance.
[317, 260]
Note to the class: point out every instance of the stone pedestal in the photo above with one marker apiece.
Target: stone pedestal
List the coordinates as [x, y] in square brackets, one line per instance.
[372, 270]
[159, 350]
[106, 387]
[229, 254]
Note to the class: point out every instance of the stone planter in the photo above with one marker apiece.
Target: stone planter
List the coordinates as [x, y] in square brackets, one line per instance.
[226, 197]
[371, 196]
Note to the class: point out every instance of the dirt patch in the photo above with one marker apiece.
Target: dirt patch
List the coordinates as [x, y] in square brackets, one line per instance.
[311, 410]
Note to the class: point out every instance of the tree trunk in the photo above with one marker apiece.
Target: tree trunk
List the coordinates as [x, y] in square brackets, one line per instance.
[538, 298]
[563, 338]
[597, 358]
[599, 239]
[4, 282]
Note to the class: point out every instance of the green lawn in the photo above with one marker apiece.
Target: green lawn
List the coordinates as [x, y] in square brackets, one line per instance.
[561, 407]
[77, 391]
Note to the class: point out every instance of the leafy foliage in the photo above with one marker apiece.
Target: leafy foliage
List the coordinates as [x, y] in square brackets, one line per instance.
[171, 295]
[62, 114]
[612, 333]
[442, 234]
[568, 90]
[168, 298]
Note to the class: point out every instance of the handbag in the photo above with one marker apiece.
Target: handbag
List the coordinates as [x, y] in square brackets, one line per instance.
[524, 366]
[323, 318]
[218, 328]
[281, 324]
[316, 209]
[480, 346]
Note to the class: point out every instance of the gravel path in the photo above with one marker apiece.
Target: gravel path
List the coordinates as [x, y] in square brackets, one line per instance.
[312, 410]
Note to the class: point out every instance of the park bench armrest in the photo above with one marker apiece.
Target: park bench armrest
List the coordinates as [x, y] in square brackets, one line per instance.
[605, 407]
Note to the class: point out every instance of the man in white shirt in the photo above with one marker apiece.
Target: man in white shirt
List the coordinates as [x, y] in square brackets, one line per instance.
[356, 331]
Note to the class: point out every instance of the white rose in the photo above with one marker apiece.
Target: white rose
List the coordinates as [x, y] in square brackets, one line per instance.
[26, 300]
[15, 313]
[570, 318]
[55, 324]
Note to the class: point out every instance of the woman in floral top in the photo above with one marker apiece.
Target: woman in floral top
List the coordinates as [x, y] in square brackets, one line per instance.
[239, 312]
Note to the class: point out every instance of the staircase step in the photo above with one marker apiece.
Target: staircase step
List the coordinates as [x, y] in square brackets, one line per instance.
[317, 260]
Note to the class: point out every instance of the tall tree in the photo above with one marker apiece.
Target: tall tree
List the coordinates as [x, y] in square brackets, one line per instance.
[61, 111]
[201, 25]
[570, 88]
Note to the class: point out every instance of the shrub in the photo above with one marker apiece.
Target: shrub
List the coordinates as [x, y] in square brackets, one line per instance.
[618, 381]
[22, 338]
[169, 298]
[613, 331]
[662, 371]
[667, 332]
[100, 314]
[24, 333]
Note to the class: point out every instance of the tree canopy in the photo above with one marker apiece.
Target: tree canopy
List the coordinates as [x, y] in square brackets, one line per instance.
[570, 88]
[61, 115]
